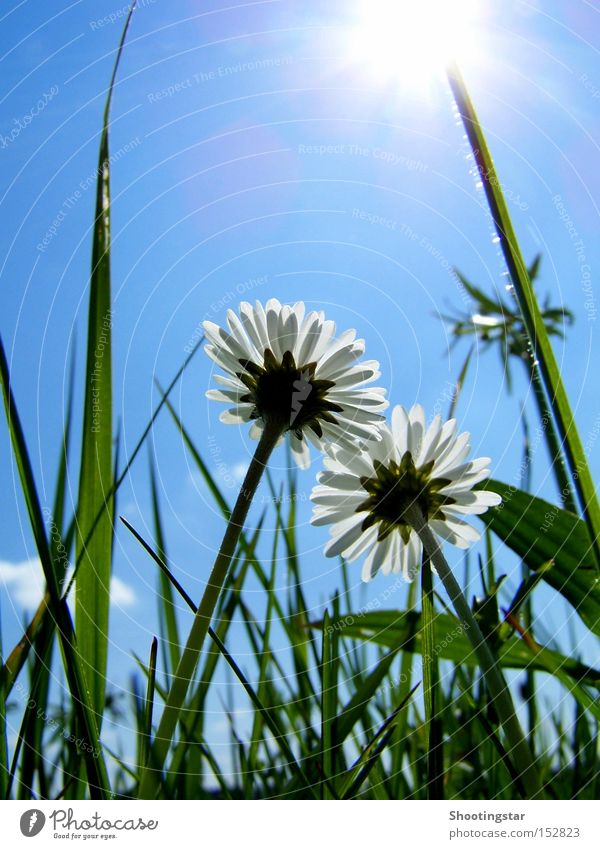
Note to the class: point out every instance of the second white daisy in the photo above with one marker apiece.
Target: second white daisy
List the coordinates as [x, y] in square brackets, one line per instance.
[364, 495]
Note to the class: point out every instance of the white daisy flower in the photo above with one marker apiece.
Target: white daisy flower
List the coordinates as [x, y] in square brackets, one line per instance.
[286, 368]
[364, 494]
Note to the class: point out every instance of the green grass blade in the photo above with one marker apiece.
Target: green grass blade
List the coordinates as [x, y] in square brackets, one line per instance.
[551, 541]
[163, 566]
[561, 474]
[400, 692]
[194, 727]
[289, 538]
[542, 350]
[403, 630]
[264, 652]
[359, 772]
[31, 731]
[149, 705]
[216, 771]
[61, 477]
[328, 706]
[92, 752]
[92, 592]
[269, 716]
[167, 609]
[460, 382]
[361, 698]
[431, 688]
[18, 657]
[3, 738]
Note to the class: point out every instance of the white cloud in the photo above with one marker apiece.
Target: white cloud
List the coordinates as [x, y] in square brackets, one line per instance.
[121, 594]
[24, 583]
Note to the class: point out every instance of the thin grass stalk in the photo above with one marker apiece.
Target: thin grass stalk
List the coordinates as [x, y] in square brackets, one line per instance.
[541, 347]
[149, 703]
[3, 737]
[328, 705]
[150, 777]
[397, 746]
[565, 489]
[431, 687]
[167, 611]
[491, 672]
[264, 654]
[526, 573]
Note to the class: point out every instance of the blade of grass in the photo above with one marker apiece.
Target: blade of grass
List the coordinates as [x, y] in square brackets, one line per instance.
[92, 753]
[301, 638]
[328, 704]
[403, 629]
[163, 566]
[61, 477]
[460, 382]
[194, 724]
[289, 537]
[166, 606]
[367, 759]
[542, 351]
[268, 715]
[18, 656]
[264, 654]
[149, 705]
[216, 771]
[3, 737]
[565, 487]
[358, 703]
[525, 597]
[32, 730]
[399, 693]
[92, 594]
[431, 688]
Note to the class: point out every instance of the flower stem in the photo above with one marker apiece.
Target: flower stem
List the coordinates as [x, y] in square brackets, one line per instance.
[150, 777]
[491, 672]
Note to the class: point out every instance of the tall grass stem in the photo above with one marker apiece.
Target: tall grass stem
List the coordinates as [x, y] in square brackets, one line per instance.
[150, 778]
[542, 353]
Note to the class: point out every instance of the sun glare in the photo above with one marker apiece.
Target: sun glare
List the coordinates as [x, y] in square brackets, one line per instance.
[411, 41]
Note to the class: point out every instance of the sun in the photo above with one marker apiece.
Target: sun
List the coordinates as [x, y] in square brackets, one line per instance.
[411, 42]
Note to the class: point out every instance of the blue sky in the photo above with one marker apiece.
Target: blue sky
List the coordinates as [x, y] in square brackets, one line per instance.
[254, 159]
